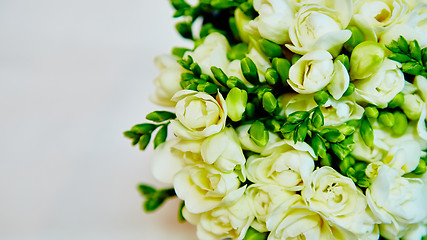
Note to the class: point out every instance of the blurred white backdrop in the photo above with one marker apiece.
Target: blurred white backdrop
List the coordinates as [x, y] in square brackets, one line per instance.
[73, 76]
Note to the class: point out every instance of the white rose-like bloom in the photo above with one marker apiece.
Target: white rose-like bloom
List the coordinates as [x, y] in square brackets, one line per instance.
[223, 151]
[334, 112]
[199, 115]
[396, 201]
[230, 222]
[381, 87]
[412, 27]
[375, 16]
[293, 220]
[311, 72]
[167, 82]
[247, 142]
[338, 198]
[273, 22]
[172, 156]
[317, 27]
[203, 187]
[263, 199]
[415, 231]
[284, 163]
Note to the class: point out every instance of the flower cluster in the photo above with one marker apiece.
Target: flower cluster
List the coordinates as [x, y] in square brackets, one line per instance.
[294, 119]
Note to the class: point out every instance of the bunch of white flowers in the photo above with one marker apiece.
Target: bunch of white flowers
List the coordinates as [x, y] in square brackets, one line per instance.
[294, 119]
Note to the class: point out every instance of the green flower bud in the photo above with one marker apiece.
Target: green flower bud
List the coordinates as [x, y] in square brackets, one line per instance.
[399, 57]
[350, 90]
[144, 141]
[367, 132]
[288, 127]
[236, 103]
[424, 56]
[249, 70]
[184, 29]
[346, 129]
[282, 66]
[302, 132]
[332, 135]
[318, 146]
[356, 38]
[346, 163]
[219, 75]
[143, 128]
[295, 58]
[253, 234]
[354, 123]
[317, 119]
[326, 161]
[421, 168]
[160, 116]
[235, 82]
[271, 76]
[364, 182]
[179, 51]
[269, 48]
[208, 88]
[321, 97]
[297, 117]
[386, 119]
[403, 44]
[273, 125]
[371, 111]
[195, 68]
[238, 52]
[179, 4]
[340, 151]
[400, 123]
[258, 133]
[269, 102]
[160, 136]
[412, 106]
[397, 101]
[250, 110]
[413, 68]
[366, 59]
[344, 60]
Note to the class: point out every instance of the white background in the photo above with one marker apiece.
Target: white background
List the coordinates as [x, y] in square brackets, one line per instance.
[73, 76]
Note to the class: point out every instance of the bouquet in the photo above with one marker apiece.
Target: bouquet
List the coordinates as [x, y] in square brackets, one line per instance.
[293, 119]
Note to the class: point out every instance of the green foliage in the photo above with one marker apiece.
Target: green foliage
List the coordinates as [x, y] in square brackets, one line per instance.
[253, 234]
[269, 48]
[249, 70]
[410, 55]
[154, 198]
[258, 133]
[367, 132]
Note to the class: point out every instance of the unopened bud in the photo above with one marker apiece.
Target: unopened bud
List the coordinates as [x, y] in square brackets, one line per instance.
[366, 59]
[236, 103]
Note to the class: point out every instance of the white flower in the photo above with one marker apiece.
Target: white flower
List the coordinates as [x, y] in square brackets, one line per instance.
[292, 220]
[223, 151]
[212, 52]
[381, 87]
[199, 115]
[375, 16]
[230, 222]
[334, 112]
[204, 188]
[167, 82]
[263, 199]
[412, 106]
[284, 163]
[415, 232]
[311, 72]
[172, 156]
[317, 27]
[396, 201]
[338, 198]
[275, 17]
[413, 27]
[248, 144]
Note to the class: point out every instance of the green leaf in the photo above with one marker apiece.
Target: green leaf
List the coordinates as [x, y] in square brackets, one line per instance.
[287, 128]
[144, 141]
[415, 50]
[195, 68]
[184, 29]
[297, 116]
[160, 136]
[394, 47]
[181, 218]
[143, 128]
[269, 102]
[269, 48]
[302, 131]
[160, 116]
[131, 135]
[318, 146]
[179, 51]
[258, 133]
[367, 132]
[249, 70]
[399, 57]
[179, 4]
[153, 202]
